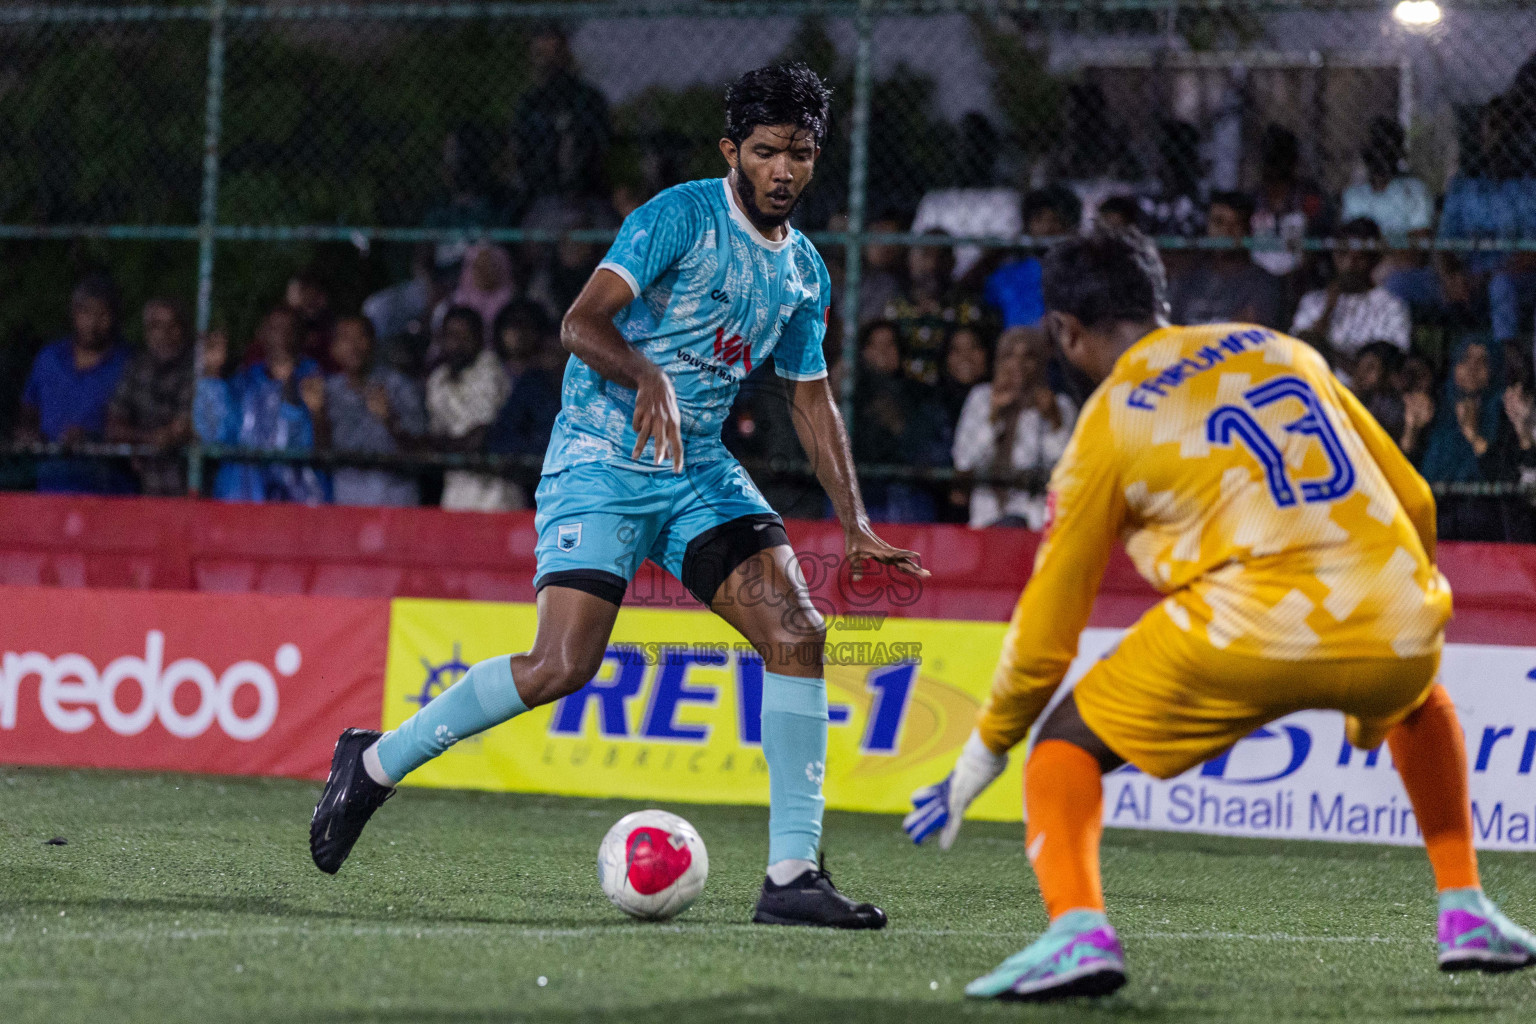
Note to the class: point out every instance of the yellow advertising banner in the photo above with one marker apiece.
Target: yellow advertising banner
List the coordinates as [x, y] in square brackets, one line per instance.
[674, 712]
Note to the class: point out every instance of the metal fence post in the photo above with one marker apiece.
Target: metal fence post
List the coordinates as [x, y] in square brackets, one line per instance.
[858, 178]
[208, 216]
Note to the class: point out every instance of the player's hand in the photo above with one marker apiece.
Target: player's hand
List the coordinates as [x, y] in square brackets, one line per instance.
[941, 807]
[862, 546]
[657, 417]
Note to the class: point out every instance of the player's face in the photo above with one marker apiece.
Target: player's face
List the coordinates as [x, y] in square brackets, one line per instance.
[1069, 337]
[773, 165]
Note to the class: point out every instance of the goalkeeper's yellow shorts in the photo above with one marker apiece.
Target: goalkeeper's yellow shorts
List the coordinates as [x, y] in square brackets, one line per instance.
[1166, 700]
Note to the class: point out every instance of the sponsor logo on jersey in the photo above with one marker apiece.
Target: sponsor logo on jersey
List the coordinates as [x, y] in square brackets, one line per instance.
[733, 350]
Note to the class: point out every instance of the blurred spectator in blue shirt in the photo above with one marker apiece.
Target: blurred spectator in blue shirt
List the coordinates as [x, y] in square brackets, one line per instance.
[275, 404]
[1494, 194]
[1014, 288]
[69, 388]
[1494, 197]
[370, 407]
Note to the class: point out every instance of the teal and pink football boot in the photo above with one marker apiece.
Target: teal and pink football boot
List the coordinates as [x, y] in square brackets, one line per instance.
[1475, 936]
[1079, 955]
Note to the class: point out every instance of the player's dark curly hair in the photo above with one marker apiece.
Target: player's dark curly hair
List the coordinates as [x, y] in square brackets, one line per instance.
[1112, 275]
[778, 94]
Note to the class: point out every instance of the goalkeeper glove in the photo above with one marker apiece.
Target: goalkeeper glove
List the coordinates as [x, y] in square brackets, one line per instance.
[941, 806]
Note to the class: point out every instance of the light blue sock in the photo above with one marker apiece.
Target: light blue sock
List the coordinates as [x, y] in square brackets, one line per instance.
[486, 696]
[795, 746]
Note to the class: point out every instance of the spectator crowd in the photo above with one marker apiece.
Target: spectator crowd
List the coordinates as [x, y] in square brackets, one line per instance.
[952, 369]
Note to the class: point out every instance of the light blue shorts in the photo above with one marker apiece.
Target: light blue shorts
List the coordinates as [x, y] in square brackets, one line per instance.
[599, 521]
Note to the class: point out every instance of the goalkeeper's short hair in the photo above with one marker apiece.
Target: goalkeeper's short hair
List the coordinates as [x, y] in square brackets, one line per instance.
[1112, 275]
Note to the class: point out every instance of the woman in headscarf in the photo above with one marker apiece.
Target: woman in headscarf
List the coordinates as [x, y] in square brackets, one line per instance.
[485, 286]
[1473, 441]
[1012, 425]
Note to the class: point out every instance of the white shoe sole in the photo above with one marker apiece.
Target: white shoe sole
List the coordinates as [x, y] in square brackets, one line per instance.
[1484, 960]
[1098, 979]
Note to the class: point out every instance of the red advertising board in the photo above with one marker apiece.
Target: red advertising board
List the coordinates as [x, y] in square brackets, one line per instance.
[171, 544]
[228, 684]
[240, 639]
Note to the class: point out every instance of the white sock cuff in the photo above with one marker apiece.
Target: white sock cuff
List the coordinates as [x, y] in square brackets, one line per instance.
[786, 871]
[374, 767]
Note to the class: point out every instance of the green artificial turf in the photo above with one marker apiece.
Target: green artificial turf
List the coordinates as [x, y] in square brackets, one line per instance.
[182, 898]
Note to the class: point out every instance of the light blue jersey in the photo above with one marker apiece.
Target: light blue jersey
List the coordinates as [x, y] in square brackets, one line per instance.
[713, 299]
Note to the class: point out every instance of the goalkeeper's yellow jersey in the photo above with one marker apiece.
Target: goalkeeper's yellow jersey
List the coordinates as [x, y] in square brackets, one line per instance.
[1249, 486]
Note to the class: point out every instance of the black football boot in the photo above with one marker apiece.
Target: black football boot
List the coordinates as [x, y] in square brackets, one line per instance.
[813, 901]
[348, 801]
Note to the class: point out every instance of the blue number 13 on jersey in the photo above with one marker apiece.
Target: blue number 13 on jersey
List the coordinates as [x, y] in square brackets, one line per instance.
[1231, 424]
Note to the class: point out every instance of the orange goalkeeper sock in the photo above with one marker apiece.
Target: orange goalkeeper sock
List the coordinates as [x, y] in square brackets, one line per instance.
[1431, 756]
[1064, 814]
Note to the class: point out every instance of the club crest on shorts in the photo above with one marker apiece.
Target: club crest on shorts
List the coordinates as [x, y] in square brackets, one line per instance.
[569, 537]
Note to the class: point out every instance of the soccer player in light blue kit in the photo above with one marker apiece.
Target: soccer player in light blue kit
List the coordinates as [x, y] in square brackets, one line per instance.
[703, 283]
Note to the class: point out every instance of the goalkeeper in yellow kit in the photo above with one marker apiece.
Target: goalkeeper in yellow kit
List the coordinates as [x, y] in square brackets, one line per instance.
[1296, 547]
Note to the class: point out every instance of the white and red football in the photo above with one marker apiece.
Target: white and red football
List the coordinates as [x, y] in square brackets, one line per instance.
[652, 865]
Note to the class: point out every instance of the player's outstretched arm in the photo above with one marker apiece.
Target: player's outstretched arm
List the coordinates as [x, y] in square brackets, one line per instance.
[588, 333]
[1088, 502]
[825, 440]
[941, 807]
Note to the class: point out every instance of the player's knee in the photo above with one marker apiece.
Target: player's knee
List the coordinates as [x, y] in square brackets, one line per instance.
[804, 625]
[556, 675]
[797, 642]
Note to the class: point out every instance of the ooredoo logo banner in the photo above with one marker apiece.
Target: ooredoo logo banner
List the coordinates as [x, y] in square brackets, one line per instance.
[235, 684]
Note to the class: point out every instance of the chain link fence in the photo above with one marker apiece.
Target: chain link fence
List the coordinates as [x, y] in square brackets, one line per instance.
[240, 156]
